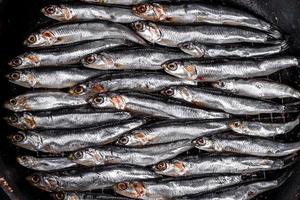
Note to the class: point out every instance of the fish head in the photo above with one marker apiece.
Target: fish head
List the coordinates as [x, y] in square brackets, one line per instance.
[204, 143]
[88, 157]
[45, 182]
[57, 12]
[101, 61]
[170, 168]
[193, 49]
[30, 140]
[135, 138]
[237, 126]
[108, 101]
[25, 60]
[134, 190]
[65, 196]
[179, 69]
[16, 104]
[151, 12]
[44, 39]
[27, 161]
[24, 78]
[179, 92]
[87, 89]
[147, 30]
[224, 85]
[21, 120]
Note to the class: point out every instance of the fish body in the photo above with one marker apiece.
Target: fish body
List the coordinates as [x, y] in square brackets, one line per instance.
[201, 50]
[79, 32]
[39, 101]
[151, 105]
[58, 141]
[88, 179]
[85, 196]
[140, 81]
[136, 58]
[45, 164]
[64, 119]
[134, 156]
[195, 13]
[72, 12]
[215, 100]
[52, 78]
[117, 2]
[172, 36]
[215, 71]
[257, 88]
[170, 131]
[246, 145]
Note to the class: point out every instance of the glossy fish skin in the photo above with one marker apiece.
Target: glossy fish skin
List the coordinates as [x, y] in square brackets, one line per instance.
[146, 59]
[201, 50]
[116, 2]
[62, 56]
[85, 196]
[205, 97]
[38, 101]
[70, 12]
[172, 36]
[170, 131]
[79, 32]
[258, 88]
[205, 165]
[59, 141]
[88, 179]
[140, 81]
[151, 105]
[246, 145]
[262, 129]
[164, 190]
[215, 71]
[51, 78]
[64, 119]
[134, 156]
[45, 164]
[195, 13]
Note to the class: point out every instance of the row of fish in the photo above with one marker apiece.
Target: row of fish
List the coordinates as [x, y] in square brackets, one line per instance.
[158, 122]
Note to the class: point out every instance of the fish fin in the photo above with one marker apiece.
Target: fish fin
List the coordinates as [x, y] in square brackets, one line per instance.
[290, 160]
[292, 107]
[284, 45]
[284, 177]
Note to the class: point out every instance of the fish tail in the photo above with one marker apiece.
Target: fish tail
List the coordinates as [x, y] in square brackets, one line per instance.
[291, 107]
[275, 33]
[289, 160]
[284, 177]
[284, 45]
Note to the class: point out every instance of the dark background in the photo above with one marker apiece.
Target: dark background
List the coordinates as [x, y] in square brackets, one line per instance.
[20, 17]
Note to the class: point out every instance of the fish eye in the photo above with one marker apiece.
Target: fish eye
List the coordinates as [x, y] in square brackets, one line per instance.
[122, 186]
[222, 84]
[59, 196]
[78, 89]
[13, 119]
[16, 61]
[23, 158]
[138, 26]
[35, 179]
[141, 8]
[99, 100]
[90, 59]
[169, 92]
[50, 9]
[172, 66]
[187, 46]
[13, 101]
[17, 138]
[78, 155]
[201, 141]
[161, 166]
[124, 140]
[14, 76]
[236, 124]
[31, 39]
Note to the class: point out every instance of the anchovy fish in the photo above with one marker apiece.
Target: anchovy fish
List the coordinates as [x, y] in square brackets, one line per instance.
[88, 179]
[164, 190]
[201, 50]
[242, 192]
[58, 141]
[79, 32]
[246, 145]
[262, 129]
[134, 156]
[170, 131]
[214, 71]
[195, 13]
[85, 196]
[213, 99]
[257, 88]
[72, 12]
[136, 58]
[151, 105]
[172, 36]
[140, 81]
[38, 101]
[64, 119]
[205, 165]
[45, 164]
[64, 55]
[52, 78]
